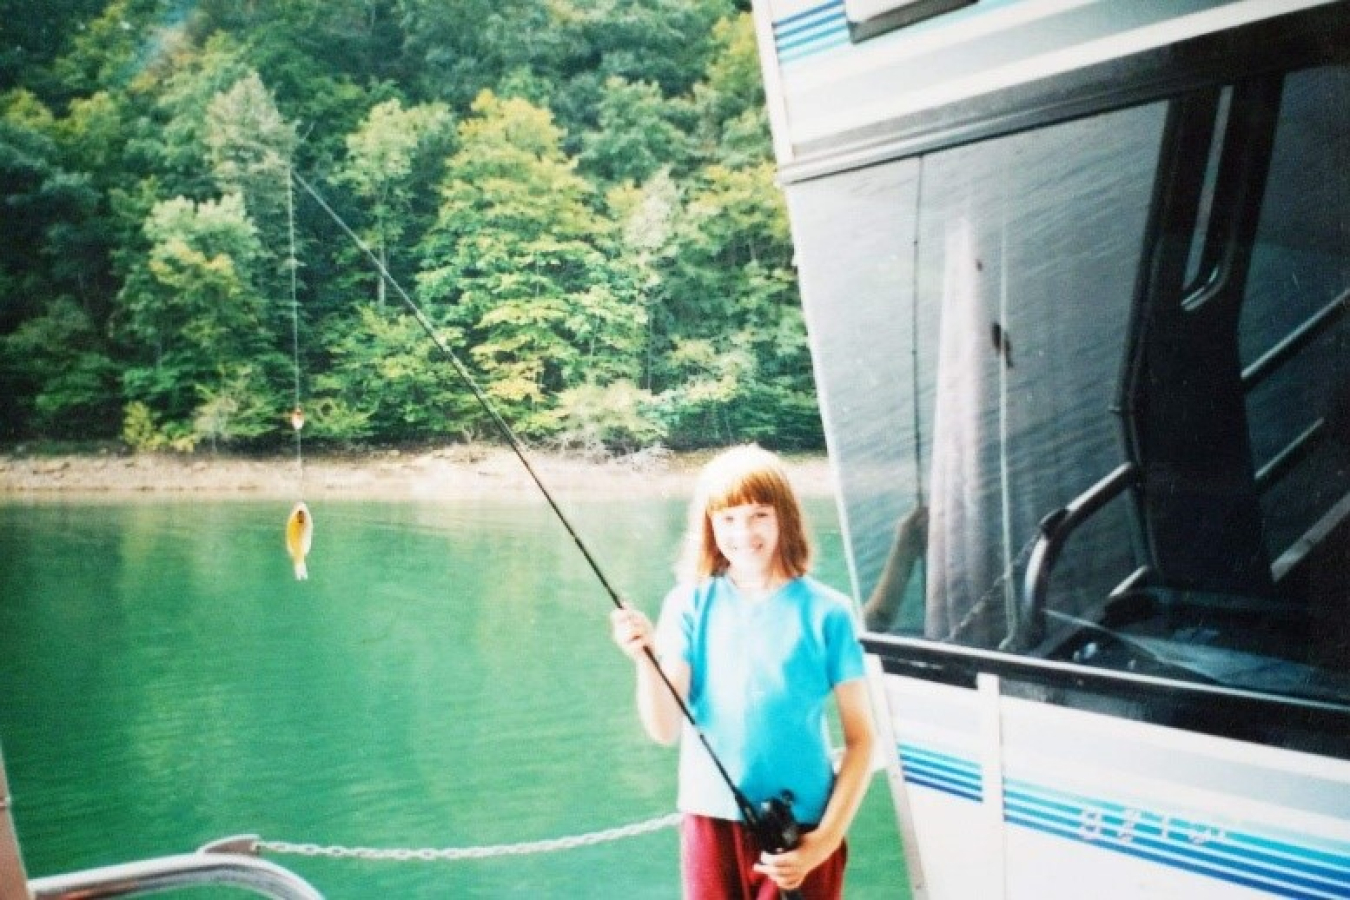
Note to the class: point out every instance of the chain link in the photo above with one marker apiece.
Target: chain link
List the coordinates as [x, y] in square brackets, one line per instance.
[432, 854]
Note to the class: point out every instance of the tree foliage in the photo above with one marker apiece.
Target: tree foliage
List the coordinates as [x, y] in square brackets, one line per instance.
[579, 198]
[519, 261]
[391, 157]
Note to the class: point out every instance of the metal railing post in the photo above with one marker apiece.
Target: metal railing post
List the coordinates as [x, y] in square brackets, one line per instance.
[13, 881]
[185, 870]
[1055, 530]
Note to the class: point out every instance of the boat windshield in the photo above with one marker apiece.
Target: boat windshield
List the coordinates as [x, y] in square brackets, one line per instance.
[1087, 386]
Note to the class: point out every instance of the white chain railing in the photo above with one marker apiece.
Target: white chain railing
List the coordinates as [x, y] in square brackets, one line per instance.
[432, 854]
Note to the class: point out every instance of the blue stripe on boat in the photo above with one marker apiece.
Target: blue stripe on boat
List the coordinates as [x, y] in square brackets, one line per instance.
[1281, 863]
[811, 31]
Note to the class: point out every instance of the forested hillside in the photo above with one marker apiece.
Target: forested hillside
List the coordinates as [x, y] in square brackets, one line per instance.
[578, 194]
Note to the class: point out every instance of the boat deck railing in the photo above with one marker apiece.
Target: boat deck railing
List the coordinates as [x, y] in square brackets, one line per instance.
[217, 864]
[231, 862]
[1054, 532]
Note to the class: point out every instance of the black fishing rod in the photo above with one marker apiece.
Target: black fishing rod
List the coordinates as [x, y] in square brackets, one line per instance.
[772, 822]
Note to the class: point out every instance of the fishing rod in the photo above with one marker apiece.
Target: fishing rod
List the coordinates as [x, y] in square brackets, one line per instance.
[772, 822]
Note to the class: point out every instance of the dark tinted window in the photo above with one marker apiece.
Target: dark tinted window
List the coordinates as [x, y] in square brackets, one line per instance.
[983, 325]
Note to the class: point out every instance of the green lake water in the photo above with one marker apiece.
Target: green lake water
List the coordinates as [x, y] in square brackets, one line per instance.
[444, 679]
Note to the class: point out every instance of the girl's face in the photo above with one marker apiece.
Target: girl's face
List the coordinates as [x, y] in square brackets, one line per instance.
[747, 535]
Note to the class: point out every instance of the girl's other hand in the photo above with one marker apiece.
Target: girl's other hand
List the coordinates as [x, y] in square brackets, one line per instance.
[632, 631]
[788, 870]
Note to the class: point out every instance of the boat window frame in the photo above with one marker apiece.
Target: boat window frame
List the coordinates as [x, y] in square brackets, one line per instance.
[1304, 39]
[1301, 39]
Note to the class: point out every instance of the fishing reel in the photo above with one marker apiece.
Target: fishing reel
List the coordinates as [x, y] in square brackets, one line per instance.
[776, 828]
[776, 831]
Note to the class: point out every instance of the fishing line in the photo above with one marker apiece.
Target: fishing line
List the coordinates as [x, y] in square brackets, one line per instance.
[299, 532]
[297, 411]
[755, 818]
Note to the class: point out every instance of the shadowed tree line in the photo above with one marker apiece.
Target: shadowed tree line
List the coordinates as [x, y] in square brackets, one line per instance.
[578, 194]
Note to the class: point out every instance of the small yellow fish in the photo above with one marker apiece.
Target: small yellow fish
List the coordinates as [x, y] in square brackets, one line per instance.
[299, 535]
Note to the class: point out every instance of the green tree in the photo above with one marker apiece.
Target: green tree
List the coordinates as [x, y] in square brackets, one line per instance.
[638, 133]
[234, 407]
[735, 362]
[464, 47]
[598, 420]
[666, 42]
[249, 148]
[522, 264]
[299, 45]
[599, 236]
[326, 62]
[193, 312]
[648, 216]
[29, 42]
[730, 100]
[388, 382]
[388, 159]
[53, 276]
[61, 374]
[108, 50]
[28, 161]
[81, 248]
[171, 140]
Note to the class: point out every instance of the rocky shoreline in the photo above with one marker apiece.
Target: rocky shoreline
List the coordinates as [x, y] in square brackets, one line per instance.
[451, 471]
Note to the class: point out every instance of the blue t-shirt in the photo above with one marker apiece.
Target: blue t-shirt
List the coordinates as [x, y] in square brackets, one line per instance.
[762, 673]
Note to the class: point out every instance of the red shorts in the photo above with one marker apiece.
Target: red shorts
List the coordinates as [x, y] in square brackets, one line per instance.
[717, 861]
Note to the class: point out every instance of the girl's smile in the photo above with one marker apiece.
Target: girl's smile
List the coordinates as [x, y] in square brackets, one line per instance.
[747, 535]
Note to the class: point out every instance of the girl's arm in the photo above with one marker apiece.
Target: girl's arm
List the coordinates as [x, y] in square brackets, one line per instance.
[855, 768]
[660, 714]
[788, 870]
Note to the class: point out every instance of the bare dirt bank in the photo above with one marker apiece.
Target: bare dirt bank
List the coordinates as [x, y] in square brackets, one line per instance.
[452, 471]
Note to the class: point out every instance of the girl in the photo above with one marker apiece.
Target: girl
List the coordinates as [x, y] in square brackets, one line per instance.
[755, 648]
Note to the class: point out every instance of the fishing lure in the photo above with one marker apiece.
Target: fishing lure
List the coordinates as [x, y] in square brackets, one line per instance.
[299, 536]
